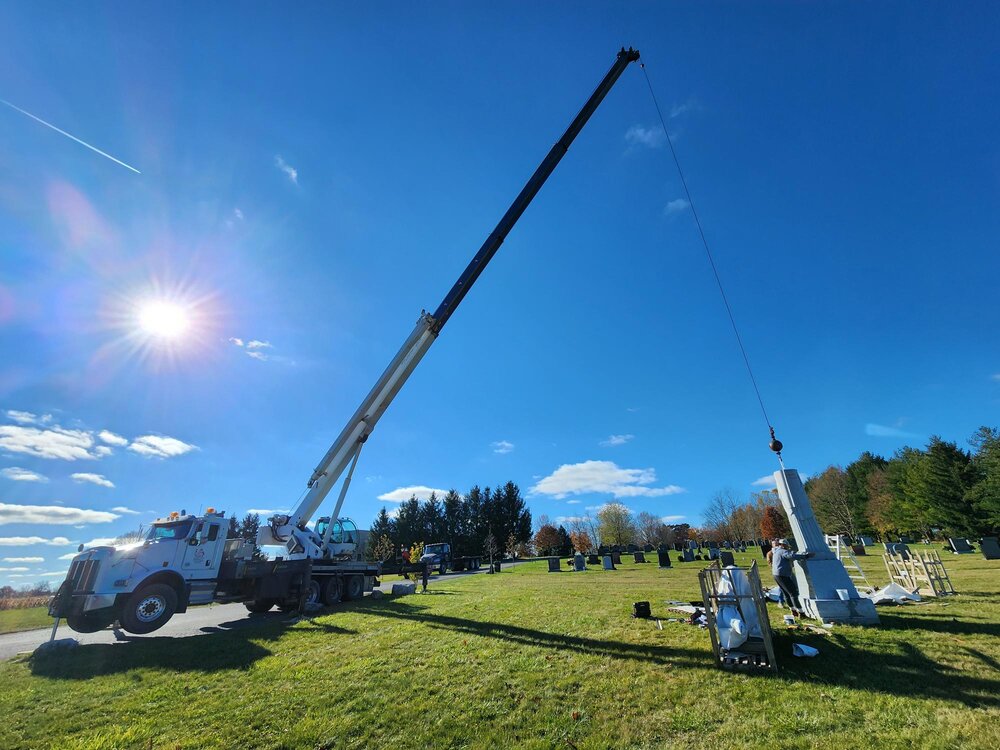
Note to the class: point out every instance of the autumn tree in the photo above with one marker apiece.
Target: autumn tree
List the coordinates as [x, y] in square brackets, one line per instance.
[581, 541]
[616, 524]
[774, 524]
[547, 540]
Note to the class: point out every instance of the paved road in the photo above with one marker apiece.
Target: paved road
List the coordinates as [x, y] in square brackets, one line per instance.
[196, 621]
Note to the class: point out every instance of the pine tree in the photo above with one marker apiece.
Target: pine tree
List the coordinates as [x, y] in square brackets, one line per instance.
[984, 494]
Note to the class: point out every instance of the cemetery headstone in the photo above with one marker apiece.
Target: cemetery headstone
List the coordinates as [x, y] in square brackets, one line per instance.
[990, 547]
[579, 563]
[905, 540]
[639, 557]
[632, 549]
[593, 560]
[713, 553]
[616, 558]
[688, 555]
[867, 541]
[726, 558]
[960, 546]
[663, 558]
[859, 550]
[555, 565]
[609, 563]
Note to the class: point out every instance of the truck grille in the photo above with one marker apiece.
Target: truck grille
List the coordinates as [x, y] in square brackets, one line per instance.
[82, 574]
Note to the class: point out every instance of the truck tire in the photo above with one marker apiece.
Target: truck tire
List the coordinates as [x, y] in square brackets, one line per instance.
[313, 593]
[332, 591]
[149, 608]
[90, 623]
[259, 606]
[354, 588]
[443, 569]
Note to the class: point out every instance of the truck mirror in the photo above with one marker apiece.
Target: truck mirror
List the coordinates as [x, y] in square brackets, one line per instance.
[194, 541]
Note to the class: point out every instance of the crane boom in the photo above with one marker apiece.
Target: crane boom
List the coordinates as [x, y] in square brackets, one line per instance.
[348, 444]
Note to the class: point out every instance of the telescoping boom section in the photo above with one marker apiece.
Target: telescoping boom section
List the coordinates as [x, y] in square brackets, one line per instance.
[290, 530]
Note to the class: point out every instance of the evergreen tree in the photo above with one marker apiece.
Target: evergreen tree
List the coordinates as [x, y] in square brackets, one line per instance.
[946, 477]
[453, 520]
[984, 494]
[383, 526]
[408, 526]
[856, 488]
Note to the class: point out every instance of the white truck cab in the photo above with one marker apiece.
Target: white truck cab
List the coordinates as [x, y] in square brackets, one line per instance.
[144, 583]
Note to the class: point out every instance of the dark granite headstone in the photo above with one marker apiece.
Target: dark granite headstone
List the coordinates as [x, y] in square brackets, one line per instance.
[726, 558]
[616, 558]
[593, 560]
[663, 558]
[904, 540]
[579, 563]
[859, 550]
[689, 555]
[990, 547]
[639, 557]
[960, 546]
[609, 563]
[555, 565]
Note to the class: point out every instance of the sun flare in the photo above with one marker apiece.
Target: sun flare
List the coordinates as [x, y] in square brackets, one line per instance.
[162, 319]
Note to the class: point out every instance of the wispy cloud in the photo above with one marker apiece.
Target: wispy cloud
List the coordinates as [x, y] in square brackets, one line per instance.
[765, 481]
[71, 137]
[573, 502]
[30, 541]
[98, 479]
[238, 214]
[111, 438]
[157, 446]
[676, 206]
[14, 569]
[616, 440]
[265, 511]
[52, 515]
[253, 348]
[18, 474]
[402, 494]
[996, 377]
[27, 417]
[288, 169]
[672, 519]
[123, 509]
[651, 137]
[601, 477]
[54, 443]
[502, 446]
[880, 430]
[24, 559]
[255, 344]
[691, 105]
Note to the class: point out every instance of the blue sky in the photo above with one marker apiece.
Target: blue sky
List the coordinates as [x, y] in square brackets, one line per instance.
[310, 181]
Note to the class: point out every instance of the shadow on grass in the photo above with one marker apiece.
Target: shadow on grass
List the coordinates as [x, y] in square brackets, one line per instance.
[229, 645]
[938, 623]
[906, 672]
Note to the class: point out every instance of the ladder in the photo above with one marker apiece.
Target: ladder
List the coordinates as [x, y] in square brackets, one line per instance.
[850, 563]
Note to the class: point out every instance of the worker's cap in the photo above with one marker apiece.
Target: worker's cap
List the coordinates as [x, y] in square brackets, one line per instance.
[784, 543]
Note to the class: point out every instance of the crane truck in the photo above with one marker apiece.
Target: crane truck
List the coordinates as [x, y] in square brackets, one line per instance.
[186, 559]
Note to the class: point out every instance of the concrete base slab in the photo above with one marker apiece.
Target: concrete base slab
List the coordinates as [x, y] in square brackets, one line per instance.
[402, 589]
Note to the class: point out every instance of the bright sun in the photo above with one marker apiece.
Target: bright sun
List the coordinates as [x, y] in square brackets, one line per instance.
[164, 320]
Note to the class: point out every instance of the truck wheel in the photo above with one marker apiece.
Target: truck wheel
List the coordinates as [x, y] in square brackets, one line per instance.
[354, 588]
[313, 593]
[90, 623]
[259, 606]
[149, 608]
[332, 591]
[443, 569]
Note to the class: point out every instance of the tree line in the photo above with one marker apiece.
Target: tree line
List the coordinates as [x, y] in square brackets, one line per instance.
[614, 524]
[469, 523]
[938, 490]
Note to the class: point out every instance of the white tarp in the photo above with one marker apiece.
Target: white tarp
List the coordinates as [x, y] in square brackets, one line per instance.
[893, 594]
[734, 628]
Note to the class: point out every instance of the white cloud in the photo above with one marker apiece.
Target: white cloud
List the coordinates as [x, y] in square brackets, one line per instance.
[675, 206]
[996, 377]
[264, 511]
[573, 502]
[617, 440]
[18, 569]
[160, 447]
[258, 355]
[28, 541]
[878, 430]
[18, 474]
[52, 515]
[601, 477]
[101, 541]
[255, 344]
[56, 442]
[123, 509]
[235, 340]
[111, 438]
[238, 214]
[53, 574]
[690, 105]
[24, 559]
[502, 446]
[672, 519]
[102, 450]
[651, 137]
[98, 479]
[26, 417]
[288, 169]
[765, 481]
[253, 348]
[68, 556]
[402, 494]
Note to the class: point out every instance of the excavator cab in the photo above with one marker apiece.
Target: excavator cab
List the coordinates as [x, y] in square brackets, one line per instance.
[344, 536]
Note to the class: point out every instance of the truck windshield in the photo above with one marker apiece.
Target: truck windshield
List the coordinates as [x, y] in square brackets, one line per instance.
[435, 549]
[174, 530]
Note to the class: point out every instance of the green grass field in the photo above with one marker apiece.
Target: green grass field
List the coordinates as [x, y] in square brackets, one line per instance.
[14, 620]
[527, 659]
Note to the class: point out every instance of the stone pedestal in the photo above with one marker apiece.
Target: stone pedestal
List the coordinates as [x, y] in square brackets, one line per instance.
[821, 576]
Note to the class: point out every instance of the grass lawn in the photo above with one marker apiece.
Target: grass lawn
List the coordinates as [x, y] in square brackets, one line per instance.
[30, 618]
[527, 659]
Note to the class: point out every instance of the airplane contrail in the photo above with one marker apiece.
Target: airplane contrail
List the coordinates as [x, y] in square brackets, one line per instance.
[73, 137]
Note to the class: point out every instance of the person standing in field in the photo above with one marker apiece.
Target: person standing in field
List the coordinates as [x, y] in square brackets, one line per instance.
[781, 568]
[771, 545]
[425, 575]
[406, 561]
